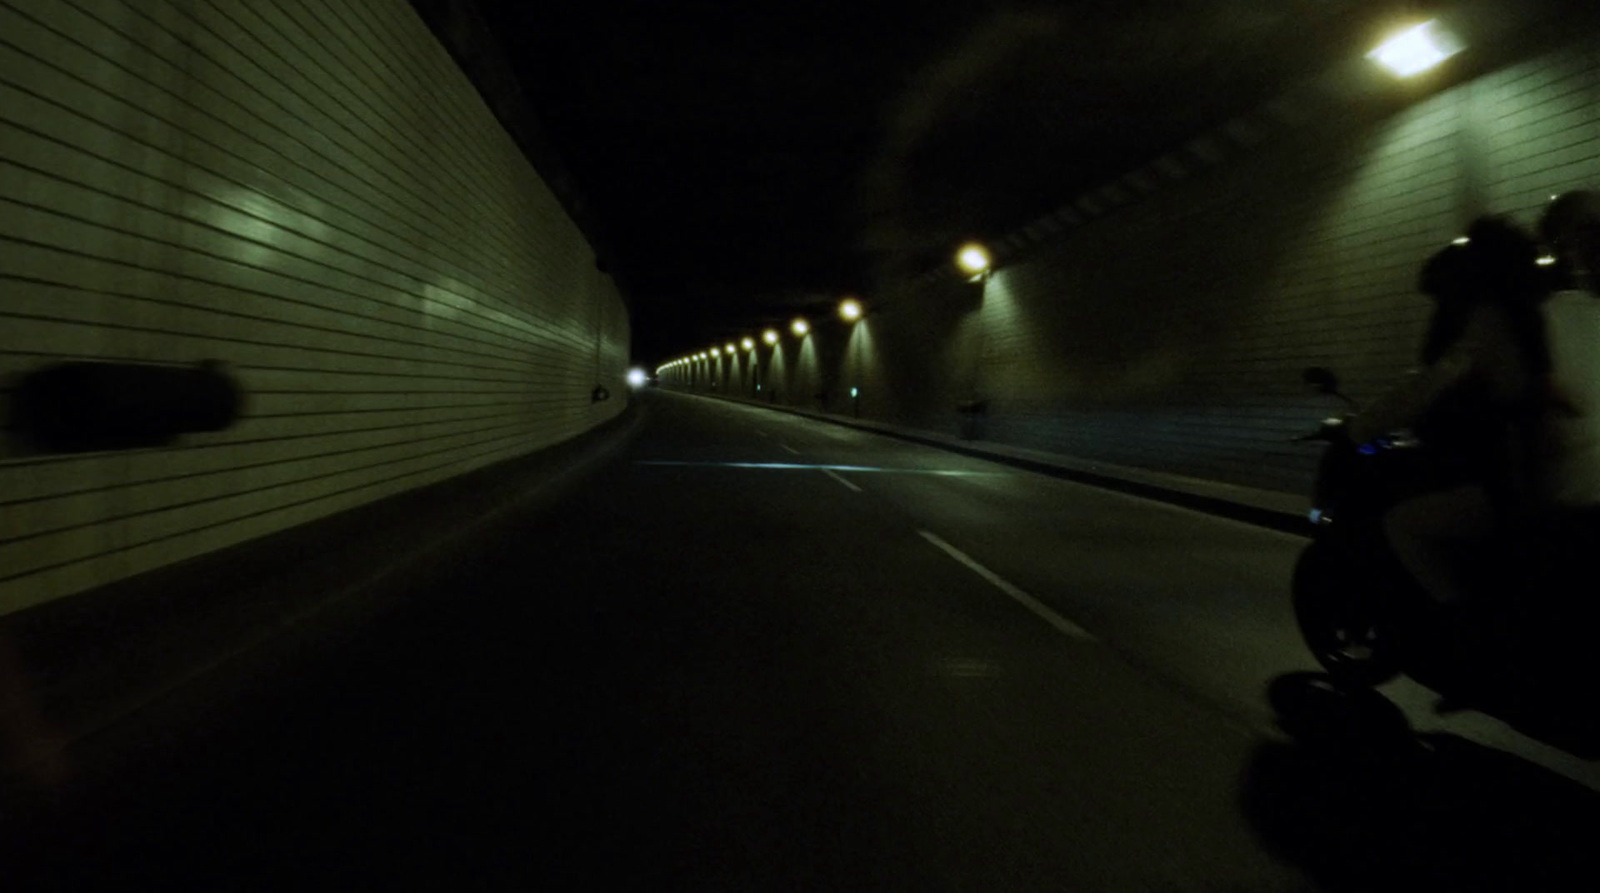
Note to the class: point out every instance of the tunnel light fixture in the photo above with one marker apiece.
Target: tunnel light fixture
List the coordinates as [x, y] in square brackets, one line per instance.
[1460, 240]
[729, 348]
[637, 377]
[850, 309]
[854, 393]
[769, 336]
[1548, 260]
[973, 259]
[1416, 49]
[800, 326]
[748, 344]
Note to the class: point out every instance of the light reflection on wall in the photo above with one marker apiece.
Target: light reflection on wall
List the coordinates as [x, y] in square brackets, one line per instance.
[860, 364]
[740, 382]
[438, 304]
[264, 225]
[777, 378]
[807, 375]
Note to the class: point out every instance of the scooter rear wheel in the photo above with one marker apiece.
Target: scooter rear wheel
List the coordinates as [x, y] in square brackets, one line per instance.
[1340, 620]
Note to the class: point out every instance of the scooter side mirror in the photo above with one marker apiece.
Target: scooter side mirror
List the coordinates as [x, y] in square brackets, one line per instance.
[1321, 380]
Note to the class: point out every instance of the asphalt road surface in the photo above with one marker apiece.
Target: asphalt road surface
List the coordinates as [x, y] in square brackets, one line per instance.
[758, 652]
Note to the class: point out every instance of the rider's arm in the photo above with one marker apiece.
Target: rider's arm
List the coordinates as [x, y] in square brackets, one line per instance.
[1485, 349]
[1405, 403]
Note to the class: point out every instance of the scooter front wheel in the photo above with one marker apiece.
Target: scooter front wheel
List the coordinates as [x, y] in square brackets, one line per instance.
[1340, 621]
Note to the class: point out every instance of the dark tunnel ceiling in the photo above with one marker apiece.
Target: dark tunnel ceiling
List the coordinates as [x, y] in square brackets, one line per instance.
[745, 157]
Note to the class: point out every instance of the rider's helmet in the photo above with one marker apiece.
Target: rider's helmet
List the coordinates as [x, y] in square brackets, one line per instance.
[1496, 261]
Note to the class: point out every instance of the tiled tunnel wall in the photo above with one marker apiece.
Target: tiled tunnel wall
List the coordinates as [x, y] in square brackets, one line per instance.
[312, 193]
[1168, 333]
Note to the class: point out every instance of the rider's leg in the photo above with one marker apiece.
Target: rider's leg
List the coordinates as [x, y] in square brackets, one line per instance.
[1434, 535]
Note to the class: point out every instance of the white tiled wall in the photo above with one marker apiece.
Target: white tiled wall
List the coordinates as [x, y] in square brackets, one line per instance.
[312, 193]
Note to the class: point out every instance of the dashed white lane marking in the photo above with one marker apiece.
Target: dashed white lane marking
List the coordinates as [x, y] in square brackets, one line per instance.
[790, 448]
[796, 466]
[835, 475]
[1062, 624]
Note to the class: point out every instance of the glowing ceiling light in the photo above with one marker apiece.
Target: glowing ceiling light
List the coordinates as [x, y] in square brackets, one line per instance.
[1416, 49]
[850, 309]
[800, 327]
[1462, 240]
[973, 258]
[769, 336]
[1546, 261]
[729, 347]
[748, 344]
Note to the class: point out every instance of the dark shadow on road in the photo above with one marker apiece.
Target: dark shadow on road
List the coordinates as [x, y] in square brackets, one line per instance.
[1362, 802]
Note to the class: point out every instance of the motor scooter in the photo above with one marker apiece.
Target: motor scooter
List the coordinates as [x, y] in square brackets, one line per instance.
[1517, 641]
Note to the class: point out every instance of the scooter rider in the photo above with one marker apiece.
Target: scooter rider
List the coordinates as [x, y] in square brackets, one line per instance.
[1499, 363]
[1567, 443]
[1466, 445]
